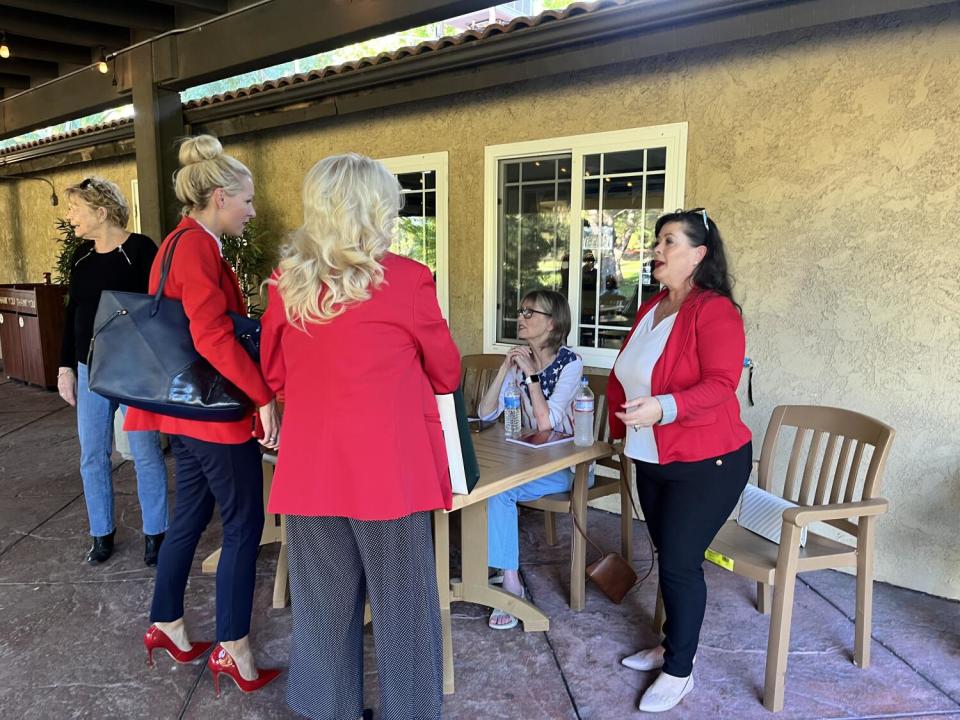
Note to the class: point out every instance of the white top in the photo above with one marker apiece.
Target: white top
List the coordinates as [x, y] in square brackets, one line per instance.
[634, 368]
[216, 239]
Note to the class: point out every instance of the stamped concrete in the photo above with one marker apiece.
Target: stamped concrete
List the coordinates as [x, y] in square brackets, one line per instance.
[70, 634]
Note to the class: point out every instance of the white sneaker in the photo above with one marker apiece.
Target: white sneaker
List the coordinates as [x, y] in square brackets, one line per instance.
[649, 659]
[665, 693]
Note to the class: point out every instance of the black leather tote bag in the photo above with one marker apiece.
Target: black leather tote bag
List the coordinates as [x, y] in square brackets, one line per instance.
[142, 355]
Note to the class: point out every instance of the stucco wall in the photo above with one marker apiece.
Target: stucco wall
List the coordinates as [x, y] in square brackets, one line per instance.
[829, 159]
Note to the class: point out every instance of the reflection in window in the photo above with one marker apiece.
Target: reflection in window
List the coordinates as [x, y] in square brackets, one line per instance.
[417, 228]
[534, 232]
[623, 195]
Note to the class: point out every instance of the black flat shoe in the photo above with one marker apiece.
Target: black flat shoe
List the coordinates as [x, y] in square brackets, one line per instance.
[367, 714]
[151, 549]
[101, 549]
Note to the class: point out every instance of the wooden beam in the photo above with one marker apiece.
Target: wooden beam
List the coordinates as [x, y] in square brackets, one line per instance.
[24, 47]
[216, 7]
[56, 29]
[157, 122]
[37, 70]
[14, 82]
[128, 14]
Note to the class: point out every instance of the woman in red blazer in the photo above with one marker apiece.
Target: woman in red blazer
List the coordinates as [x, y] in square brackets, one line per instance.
[217, 463]
[354, 338]
[674, 388]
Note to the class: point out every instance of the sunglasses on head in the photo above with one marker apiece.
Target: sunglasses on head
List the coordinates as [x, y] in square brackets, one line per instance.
[528, 313]
[699, 211]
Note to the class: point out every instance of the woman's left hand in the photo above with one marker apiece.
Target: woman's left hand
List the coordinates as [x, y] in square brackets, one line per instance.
[270, 420]
[522, 357]
[641, 412]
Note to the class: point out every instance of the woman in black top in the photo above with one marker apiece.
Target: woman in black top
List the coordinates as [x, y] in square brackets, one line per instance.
[111, 258]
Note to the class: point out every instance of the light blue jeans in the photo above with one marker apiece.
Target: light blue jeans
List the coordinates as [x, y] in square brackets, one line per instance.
[95, 429]
[503, 532]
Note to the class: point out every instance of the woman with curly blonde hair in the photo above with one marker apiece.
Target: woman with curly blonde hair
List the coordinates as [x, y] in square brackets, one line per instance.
[354, 338]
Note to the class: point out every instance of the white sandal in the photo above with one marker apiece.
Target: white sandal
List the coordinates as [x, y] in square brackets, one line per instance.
[645, 660]
[498, 614]
[665, 693]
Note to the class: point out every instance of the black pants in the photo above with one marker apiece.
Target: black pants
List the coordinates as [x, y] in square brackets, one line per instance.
[685, 504]
[208, 474]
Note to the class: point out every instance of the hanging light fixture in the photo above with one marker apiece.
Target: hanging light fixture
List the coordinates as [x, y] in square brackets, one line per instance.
[4, 48]
[102, 63]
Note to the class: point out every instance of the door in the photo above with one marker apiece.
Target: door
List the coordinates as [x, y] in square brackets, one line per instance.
[31, 349]
[10, 344]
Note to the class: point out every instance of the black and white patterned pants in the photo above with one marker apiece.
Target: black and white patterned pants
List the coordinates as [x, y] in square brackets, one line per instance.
[335, 563]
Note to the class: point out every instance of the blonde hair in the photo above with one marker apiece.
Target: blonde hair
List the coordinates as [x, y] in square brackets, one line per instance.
[101, 193]
[204, 167]
[350, 208]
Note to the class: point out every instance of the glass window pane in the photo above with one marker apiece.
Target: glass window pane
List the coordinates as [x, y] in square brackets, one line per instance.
[511, 171]
[591, 165]
[629, 161]
[534, 237]
[656, 159]
[411, 180]
[429, 180]
[413, 204]
[534, 170]
[430, 204]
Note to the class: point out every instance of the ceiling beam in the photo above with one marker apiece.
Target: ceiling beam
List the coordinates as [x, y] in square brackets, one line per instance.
[216, 7]
[57, 29]
[14, 82]
[24, 47]
[37, 70]
[135, 15]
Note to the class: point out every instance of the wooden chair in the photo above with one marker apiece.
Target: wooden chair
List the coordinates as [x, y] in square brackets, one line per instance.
[603, 486]
[478, 371]
[830, 490]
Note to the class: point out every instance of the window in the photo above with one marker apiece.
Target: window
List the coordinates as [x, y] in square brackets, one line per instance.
[422, 230]
[577, 215]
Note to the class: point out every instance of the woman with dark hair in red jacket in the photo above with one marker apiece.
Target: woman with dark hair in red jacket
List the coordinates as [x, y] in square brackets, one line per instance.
[674, 388]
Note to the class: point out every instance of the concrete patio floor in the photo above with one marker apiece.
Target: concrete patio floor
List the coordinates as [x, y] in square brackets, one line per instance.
[70, 634]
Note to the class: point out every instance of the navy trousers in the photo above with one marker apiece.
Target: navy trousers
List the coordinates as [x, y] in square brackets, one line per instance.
[685, 504]
[230, 477]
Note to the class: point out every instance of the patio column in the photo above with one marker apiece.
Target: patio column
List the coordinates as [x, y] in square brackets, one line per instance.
[157, 124]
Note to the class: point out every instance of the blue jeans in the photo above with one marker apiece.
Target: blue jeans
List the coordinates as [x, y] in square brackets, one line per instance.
[95, 429]
[503, 533]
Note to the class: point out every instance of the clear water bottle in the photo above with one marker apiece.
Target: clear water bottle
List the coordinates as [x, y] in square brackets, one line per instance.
[511, 411]
[583, 415]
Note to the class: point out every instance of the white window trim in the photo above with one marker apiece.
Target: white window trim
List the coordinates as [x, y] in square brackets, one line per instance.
[673, 136]
[438, 163]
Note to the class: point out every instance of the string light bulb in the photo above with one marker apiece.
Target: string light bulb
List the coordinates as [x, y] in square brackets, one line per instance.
[102, 64]
[4, 48]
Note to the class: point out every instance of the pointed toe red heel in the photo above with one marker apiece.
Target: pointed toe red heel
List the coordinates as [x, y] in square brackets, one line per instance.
[221, 662]
[157, 639]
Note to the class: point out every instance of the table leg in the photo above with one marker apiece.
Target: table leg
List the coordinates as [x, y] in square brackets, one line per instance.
[475, 586]
[578, 554]
[441, 544]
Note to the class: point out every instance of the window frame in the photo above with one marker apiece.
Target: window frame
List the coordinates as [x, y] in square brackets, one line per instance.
[438, 163]
[673, 136]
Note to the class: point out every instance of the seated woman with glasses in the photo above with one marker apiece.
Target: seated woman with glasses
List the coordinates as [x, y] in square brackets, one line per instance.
[548, 373]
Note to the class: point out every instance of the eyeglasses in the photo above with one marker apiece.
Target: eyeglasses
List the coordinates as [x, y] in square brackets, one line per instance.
[699, 211]
[528, 313]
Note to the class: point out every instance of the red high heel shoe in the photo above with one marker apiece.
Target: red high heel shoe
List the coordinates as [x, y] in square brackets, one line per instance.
[221, 662]
[157, 639]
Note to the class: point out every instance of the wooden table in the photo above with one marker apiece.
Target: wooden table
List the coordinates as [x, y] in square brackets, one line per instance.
[503, 466]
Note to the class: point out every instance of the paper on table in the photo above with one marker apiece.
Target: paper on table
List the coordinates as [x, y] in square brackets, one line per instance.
[541, 438]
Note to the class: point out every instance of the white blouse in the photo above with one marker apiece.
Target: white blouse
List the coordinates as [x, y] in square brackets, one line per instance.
[634, 368]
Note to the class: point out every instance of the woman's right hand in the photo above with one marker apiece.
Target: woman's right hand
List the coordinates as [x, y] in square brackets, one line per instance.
[67, 385]
[270, 420]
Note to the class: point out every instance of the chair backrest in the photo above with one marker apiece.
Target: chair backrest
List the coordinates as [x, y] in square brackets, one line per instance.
[832, 460]
[478, 371]
[598, 384]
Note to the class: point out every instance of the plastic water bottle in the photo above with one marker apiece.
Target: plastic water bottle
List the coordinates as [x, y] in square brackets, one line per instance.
[583, 415]
[511, 411]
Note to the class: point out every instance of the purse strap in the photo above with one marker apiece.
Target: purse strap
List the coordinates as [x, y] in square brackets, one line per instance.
[633, 510]
[165, 270]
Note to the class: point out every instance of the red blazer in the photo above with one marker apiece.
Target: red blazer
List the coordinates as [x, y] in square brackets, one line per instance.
[700, 366]
[361, 433]
[206, 285]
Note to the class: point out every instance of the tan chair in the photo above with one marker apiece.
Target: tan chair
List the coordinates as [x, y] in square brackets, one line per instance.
[478, 371]
[603, 486]
[830, 490]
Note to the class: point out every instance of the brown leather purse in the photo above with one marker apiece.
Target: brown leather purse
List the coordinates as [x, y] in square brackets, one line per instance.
[611, 572]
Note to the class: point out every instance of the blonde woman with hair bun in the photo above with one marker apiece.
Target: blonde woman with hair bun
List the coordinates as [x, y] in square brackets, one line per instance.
[354, 338]
[217, 463]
